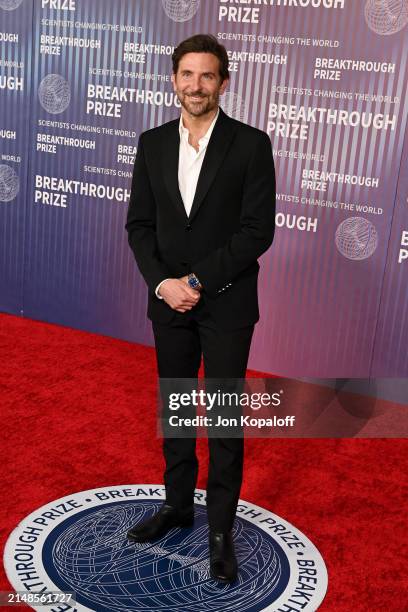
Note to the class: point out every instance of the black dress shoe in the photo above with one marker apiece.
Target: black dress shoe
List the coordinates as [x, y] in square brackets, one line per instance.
[160, 523]
[223, 563]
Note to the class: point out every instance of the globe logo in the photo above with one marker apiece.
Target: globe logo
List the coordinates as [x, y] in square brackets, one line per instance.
[54, 94]
[95, 560]
[356, 238]
[233, 105]
[84, 551]
[10, 5]
[9, 183]
[180, 10]
[386, 16]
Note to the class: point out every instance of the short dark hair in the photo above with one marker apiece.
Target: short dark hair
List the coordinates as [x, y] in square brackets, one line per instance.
[202, 43]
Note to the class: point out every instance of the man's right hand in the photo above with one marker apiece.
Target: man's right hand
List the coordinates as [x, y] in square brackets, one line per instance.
[178, 295]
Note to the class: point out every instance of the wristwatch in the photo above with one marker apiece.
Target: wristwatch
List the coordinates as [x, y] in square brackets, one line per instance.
[193, 281]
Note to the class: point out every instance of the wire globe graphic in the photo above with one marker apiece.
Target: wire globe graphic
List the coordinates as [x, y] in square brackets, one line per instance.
[9, 183]
[107, 572]
[10, 5]
[356, 238]
[386, 17]
[180, 10]
[233, 105]
[54, 94]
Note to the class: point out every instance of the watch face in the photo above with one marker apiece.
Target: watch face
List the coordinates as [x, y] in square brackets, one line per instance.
[193, 281]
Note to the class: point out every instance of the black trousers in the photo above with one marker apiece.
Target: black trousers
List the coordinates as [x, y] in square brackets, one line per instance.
[179, 347]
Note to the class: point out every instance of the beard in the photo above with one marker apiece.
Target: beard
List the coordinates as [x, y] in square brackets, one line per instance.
[199, 107]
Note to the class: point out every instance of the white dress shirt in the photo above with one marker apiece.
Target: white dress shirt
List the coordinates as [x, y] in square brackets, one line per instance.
[190, 162]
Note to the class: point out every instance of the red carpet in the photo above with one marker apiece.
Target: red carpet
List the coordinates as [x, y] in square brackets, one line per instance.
[71, 406]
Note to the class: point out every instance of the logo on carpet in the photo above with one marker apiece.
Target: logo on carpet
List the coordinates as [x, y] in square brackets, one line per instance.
[78, 545]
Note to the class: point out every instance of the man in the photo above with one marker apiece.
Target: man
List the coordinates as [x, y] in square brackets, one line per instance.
[201, 211]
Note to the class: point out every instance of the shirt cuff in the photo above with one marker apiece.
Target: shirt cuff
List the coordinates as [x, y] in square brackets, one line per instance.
[158, 287]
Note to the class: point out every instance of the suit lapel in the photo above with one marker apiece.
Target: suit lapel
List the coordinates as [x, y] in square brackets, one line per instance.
[170, 162]
[217, 147]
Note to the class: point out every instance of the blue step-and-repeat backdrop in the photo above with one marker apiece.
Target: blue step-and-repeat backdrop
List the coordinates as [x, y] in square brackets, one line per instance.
[326, 79]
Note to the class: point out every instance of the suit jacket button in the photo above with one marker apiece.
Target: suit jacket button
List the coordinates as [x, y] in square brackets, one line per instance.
[188, 228]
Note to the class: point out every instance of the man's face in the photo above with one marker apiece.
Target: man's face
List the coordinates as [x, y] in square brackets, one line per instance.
[198, 83]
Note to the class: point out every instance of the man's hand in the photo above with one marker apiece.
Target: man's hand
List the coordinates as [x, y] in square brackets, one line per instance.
[178, 294]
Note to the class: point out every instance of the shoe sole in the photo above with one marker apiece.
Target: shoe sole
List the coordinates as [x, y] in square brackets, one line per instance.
[223, 580]
[186, 523]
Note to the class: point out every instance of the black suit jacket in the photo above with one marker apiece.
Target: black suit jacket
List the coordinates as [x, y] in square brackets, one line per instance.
[230, 225]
